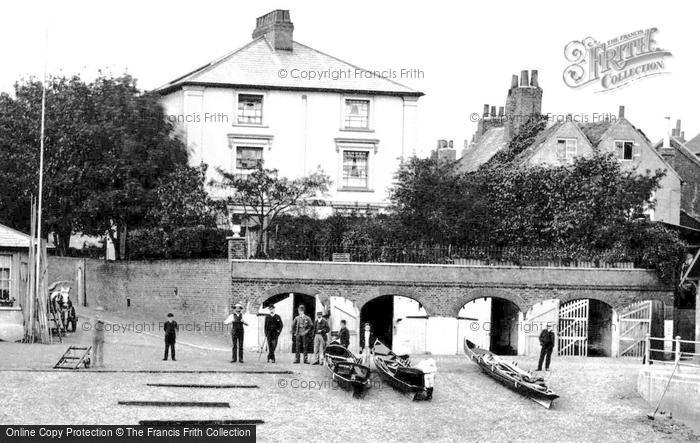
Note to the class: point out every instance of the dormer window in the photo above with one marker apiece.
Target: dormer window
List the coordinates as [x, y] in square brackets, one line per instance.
[356, 114]
[566, 149]
[250, 109]
[626, 150]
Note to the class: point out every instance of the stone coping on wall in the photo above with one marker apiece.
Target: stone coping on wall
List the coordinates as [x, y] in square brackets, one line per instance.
[643, 279]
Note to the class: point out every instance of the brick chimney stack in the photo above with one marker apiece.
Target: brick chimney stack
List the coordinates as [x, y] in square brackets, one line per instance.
[524, 100]
[277, 28]
[668, 152]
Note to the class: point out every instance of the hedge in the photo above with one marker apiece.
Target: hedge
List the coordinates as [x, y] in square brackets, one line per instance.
[190, 242]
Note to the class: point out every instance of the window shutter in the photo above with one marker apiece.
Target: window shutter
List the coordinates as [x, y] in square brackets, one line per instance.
[636, 151]
[620, 150]
[561, 149]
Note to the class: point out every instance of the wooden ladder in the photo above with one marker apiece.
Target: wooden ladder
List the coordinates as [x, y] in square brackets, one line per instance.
[74, 358]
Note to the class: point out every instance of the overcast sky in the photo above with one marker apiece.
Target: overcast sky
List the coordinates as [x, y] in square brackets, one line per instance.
[467, 51]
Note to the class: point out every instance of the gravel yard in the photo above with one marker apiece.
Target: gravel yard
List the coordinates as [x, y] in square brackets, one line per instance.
[598, 399]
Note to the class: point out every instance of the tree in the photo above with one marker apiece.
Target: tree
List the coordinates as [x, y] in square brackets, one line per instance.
[181, 200]
[265, 195]
[107, 145]
[138, 148]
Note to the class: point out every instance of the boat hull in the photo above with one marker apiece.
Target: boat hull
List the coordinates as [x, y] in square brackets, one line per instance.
[346, 370]
[536, 391]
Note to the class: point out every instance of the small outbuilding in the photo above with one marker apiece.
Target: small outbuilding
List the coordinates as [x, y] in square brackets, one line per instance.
[14, 258]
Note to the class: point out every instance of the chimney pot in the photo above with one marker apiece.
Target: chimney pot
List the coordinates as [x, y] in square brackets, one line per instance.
[621, 112]
[451, 144]
[678, 125]
[493, 111]
[486, 110]
[514, 81]
[683, 136]
[524, 78]
[501, 111]
[533, 79]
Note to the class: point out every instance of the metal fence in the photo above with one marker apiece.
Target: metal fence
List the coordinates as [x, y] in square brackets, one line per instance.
[464, 255]
[657, 351]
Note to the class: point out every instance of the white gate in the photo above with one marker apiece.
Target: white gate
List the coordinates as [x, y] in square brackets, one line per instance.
[573, 328]
[635, 324]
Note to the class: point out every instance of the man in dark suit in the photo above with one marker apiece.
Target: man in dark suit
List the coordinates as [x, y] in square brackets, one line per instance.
[273, 328]
[301, 326]
[344, 334]
[171, 329]
[547, 338]
[321, 330]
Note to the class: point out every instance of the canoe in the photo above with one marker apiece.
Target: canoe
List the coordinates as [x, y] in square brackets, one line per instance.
[510, 375]
[398, 373]
[346, 370]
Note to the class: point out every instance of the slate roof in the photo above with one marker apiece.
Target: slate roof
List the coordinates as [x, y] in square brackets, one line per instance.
[681, 148]
[490, 143]
[11, 238]
[258, 65]
[594, 131]
[694, 144]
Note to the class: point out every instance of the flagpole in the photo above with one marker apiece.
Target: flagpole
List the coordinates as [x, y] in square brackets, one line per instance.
[41, 170]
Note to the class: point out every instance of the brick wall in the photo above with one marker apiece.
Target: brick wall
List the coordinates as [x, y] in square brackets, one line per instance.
[196, 291]
[443, 289]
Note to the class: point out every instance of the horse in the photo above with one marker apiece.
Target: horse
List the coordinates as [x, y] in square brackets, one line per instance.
[61, 305]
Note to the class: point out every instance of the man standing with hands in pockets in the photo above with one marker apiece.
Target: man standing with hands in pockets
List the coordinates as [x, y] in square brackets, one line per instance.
[273, 328]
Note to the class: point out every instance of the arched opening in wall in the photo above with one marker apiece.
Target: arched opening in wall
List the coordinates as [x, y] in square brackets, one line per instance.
[397, 321]
[491, 323]
[536, 320]
[287, 307]
[635, 322]
[585, 329]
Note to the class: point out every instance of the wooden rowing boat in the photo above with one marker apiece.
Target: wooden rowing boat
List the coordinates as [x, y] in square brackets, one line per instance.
[346, 369]
[510, 375]
[397, 372]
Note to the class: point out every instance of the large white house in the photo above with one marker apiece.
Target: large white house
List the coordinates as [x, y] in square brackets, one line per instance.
[296, 109]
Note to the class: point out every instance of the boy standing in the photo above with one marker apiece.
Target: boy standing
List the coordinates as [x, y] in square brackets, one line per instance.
[98, 341]
[321, 329]
[171, 329]
[344, 334]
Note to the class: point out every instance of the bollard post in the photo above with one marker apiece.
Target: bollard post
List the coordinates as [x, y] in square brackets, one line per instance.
[678, 348]
[647, 351]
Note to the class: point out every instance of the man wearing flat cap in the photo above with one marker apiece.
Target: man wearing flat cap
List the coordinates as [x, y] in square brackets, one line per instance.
[237, 323]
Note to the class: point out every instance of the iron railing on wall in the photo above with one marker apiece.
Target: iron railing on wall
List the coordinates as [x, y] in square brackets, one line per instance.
[458, 255]
[657, 351]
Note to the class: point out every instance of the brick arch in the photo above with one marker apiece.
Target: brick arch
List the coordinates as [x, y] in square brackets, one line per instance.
[567, 297]
[477, 293]
[399, 291]
[285, 289]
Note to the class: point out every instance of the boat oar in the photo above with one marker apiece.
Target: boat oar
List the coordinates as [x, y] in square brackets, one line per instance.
[658, 405]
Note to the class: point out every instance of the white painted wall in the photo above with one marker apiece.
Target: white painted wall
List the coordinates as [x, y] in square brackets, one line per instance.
[301, 129]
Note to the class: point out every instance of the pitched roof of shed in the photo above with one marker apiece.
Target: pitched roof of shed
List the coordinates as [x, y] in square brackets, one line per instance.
[11, 238]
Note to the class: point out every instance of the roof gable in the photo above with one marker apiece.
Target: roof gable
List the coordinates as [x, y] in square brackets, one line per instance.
[258, 65]
[566, 129]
